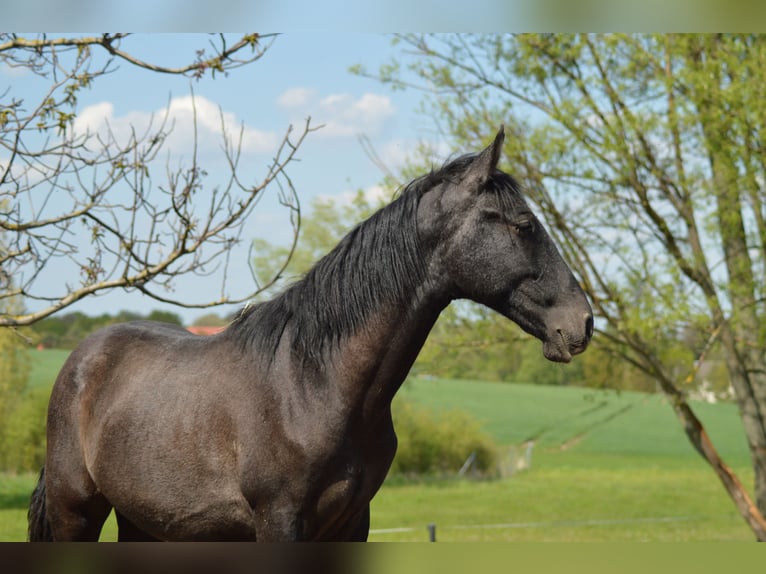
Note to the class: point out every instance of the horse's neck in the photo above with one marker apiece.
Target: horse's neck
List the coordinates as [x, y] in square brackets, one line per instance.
[372, 363]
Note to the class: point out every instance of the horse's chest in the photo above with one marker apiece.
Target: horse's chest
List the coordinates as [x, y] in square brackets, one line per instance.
[343, 492]
[318, 475]
[339, 503]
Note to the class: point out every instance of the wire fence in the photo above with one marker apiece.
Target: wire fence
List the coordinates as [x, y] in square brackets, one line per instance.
[430, 528]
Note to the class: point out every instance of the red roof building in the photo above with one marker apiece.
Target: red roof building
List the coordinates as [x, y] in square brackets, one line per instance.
[204, 329]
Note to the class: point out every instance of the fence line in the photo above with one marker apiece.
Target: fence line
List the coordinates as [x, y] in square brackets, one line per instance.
[544, 524]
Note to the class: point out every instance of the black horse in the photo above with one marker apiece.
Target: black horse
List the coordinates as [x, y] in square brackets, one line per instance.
[279, 428]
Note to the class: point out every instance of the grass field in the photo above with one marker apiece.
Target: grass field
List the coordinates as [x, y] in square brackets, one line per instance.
[606, 466]
[45, 366]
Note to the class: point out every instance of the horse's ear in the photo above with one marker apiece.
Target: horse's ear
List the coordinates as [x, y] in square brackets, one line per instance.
[484, 165]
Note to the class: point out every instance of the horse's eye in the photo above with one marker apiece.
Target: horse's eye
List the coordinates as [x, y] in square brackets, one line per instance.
[524, 226]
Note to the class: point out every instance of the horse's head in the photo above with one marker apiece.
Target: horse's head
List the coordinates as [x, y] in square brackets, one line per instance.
[487, 245]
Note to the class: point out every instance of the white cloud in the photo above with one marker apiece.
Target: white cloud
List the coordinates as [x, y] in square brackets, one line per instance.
[342, 115]
[296, 98]
[93, 117]
[212, 123]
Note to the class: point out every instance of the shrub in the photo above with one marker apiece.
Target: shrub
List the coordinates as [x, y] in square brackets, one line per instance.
[440, 444]
[22, 448]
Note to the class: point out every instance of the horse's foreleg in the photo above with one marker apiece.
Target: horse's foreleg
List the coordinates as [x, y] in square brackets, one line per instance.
[280, 522]
[129, 532]
[362, 529]
[75, 507]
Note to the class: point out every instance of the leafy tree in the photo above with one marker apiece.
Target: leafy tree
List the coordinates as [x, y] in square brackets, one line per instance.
[22, 445]
[165, 317]
[645, 155]
[144, 233]
[67, 330]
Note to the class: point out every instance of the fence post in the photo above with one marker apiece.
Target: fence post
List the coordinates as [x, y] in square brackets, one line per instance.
[467, 464]
[432, 532]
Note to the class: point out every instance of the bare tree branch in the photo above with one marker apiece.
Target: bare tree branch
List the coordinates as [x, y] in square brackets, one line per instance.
[92, 201]
[223, 57]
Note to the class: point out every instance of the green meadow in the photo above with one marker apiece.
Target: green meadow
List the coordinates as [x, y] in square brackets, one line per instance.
[605, 466]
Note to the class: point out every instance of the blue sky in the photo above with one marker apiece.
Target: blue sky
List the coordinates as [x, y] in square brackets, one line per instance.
[303, 74]
[401, 15]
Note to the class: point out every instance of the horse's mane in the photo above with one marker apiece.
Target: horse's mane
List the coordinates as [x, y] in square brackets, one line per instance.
[377, 262]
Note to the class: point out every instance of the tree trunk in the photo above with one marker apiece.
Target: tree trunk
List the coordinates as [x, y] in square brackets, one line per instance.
[747, 373]
[741, 331]
[744, 360]
[738, 493]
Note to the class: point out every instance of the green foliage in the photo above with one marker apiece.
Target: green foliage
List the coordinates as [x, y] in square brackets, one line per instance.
[210, 320]
[22, 426]
[165, 317]
[440, 444]
[23, 446]
[14, 373]
[14, 370]
[22, 413]
[67, 330]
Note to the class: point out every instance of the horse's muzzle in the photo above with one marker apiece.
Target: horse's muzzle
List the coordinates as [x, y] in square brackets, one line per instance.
[566, 341]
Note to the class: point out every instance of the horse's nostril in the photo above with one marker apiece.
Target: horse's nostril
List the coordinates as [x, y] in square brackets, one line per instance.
[588, 325]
